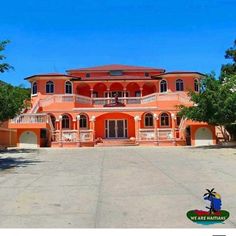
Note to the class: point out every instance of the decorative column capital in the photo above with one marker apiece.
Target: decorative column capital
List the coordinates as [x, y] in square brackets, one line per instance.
[137, 118]
[78, 117]
[173, 116]
[60, 117]
[93, 118]
[156, 117]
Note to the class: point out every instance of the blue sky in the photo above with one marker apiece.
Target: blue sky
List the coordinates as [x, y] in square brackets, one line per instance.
[55, 35]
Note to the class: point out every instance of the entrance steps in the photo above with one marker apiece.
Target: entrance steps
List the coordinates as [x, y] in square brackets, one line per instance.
[116, 142]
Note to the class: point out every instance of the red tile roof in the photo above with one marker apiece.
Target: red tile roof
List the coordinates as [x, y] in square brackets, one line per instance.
[117, 67]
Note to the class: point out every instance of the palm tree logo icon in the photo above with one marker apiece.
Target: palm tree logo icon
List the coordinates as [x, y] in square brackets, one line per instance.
[214, 214]
[215, 200]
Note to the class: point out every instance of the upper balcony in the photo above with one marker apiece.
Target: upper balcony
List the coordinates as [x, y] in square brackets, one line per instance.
[24, 121]
[61, 101]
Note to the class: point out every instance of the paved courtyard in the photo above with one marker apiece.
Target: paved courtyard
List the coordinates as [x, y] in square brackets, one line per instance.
[113, 187]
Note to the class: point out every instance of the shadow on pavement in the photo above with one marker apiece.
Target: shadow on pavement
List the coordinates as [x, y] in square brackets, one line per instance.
[10, 162]
[18, 150]
[214, 147]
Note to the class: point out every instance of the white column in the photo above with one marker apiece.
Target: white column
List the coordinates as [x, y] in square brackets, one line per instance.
[173, 118]
[78, 130]
[92, 125]
[60, 130]
[137, 127]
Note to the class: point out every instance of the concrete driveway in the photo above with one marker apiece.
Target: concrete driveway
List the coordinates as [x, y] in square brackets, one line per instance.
[119, 187]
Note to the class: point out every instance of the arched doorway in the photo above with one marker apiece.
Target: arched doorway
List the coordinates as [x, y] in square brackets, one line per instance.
[203, 137]
[114, 126]
[28, 139]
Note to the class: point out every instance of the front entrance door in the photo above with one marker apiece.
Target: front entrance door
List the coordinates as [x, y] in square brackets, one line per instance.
[116, 128]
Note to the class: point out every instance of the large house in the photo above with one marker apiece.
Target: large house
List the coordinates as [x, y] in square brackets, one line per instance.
[111, 105]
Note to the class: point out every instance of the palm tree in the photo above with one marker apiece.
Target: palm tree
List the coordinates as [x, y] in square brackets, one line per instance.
[209, 196]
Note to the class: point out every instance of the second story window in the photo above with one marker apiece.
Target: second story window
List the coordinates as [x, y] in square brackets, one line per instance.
[34, 88]
[87, 75]
[68, 87]
[163, 86]
[49, 87]
[196, 85]
[146, 74]
[148, 120]
[179, 85]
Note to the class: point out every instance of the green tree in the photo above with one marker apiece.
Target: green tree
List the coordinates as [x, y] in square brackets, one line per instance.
[214, 104]
[3, 65]
[12, 101]
[229, 69]
[12, 98]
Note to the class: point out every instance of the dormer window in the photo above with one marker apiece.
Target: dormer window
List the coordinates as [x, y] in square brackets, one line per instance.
[116, 72]
[87, 75]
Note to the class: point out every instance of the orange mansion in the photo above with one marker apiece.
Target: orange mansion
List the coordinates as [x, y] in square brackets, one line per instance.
[110, 105]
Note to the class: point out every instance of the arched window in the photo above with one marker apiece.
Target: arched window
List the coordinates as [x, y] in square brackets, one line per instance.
[163, 86]
[165, 121]
[65, 122]
[53, 119]
[34, 88]
[83, 123]
[148, 120]
[49, 87]
[179, 85]
[68, 87]
[196, 85]
[178, 120]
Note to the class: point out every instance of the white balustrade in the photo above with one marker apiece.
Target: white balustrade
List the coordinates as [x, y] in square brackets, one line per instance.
[30, 119]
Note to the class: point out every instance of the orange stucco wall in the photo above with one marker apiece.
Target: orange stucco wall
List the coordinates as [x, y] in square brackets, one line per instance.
[7, 136]
[100, 124]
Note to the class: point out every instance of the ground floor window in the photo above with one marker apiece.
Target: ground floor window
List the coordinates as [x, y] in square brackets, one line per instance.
[83, 123]
[65, 122]
[148, 120]
[165, 121]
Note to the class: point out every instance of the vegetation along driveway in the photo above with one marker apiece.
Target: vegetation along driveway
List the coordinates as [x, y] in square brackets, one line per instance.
[113, 187]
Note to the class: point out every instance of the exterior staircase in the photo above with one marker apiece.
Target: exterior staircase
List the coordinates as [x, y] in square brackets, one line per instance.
[116, 142]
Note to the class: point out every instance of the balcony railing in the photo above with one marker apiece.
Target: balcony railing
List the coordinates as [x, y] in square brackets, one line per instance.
[31, 119]
[68, 136]
[157, 135]
[61, 98]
